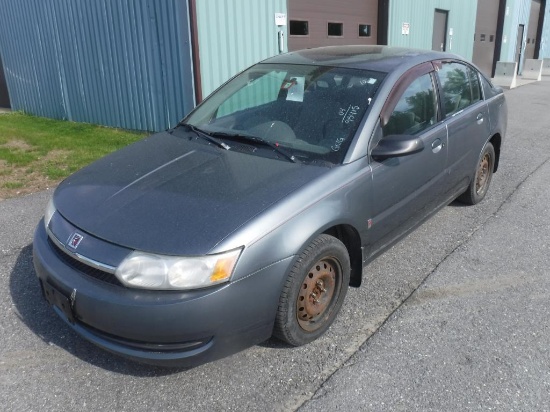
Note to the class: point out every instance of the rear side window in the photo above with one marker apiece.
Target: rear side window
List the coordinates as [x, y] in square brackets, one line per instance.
[460, 86]
[488, 89]
[475, 85]
[416, 109]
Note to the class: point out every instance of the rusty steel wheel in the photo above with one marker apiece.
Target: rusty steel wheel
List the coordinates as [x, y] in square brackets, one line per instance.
[482, 177]
[483, 174]
[319, 288]
[313, 292]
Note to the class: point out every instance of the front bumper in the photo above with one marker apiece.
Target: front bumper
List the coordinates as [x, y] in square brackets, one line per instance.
[167, 328]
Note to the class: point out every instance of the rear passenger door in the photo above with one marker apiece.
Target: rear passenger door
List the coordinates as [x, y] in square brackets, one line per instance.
[467, 119]
[407, 188]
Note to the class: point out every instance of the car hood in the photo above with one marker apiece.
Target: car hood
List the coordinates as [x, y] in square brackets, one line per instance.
[169, 195]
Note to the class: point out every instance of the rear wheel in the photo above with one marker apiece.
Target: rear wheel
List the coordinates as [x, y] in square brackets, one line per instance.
[313, 292]
[482, 177]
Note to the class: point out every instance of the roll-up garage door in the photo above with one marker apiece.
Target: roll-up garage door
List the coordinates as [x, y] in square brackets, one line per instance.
[532, 29]
[315, 23]
[485, 35]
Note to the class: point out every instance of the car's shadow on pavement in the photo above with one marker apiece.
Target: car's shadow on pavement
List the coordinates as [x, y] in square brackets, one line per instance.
[274, 343]
[35, 312]
[458, 203]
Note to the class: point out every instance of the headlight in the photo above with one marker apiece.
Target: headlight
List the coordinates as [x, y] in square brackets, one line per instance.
[48, 214]
[149, 271]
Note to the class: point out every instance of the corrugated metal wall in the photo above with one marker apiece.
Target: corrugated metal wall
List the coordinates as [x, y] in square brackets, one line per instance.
[123, 63]
[4, 94]
[517, 12]
[544, 52]
[420, 15]
[233, 34]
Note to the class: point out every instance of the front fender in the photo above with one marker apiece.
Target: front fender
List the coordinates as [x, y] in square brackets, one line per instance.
[340, 197]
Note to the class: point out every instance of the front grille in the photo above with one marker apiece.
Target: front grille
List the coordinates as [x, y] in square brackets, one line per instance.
[83, 268]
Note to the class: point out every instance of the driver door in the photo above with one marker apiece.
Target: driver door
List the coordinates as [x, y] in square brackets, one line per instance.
[407, 188]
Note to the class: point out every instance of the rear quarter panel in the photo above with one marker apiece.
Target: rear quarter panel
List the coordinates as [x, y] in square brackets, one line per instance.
[498, 114]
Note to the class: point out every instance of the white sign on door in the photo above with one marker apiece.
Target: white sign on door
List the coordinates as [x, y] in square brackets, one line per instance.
[280, 19]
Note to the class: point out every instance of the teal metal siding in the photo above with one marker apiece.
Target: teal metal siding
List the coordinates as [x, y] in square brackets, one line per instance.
[420, 16]
[517, 12]
[122, 63]
[544, 52]
[234, 34]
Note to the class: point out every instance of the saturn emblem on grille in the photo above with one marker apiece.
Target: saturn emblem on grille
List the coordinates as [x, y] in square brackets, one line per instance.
[75, 240]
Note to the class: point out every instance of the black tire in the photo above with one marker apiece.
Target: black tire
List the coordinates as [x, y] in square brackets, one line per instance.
[313, 292]
[482, 177]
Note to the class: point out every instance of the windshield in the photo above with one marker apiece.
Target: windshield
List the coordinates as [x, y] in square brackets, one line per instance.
[311, 112]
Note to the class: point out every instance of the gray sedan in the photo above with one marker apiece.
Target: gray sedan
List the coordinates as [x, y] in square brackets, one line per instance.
[254, 214]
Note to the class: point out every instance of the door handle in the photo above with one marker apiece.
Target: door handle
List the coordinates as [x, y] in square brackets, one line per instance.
[437, 144]
[479, 118]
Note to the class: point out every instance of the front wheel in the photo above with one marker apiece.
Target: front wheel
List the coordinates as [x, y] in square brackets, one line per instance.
[313, 292]
[482, 177]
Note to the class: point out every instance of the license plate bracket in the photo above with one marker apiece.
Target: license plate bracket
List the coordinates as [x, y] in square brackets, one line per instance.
[58, 299]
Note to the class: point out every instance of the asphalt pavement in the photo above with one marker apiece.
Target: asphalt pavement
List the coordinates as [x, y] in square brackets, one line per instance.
[475, 335]
[453, 318]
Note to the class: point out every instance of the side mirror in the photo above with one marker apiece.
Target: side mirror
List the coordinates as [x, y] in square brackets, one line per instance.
[397, 145]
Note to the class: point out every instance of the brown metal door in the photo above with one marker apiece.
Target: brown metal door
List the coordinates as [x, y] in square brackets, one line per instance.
[485, 35]
[315, 23]
[532, 29]
[4, 96]
[439, 37]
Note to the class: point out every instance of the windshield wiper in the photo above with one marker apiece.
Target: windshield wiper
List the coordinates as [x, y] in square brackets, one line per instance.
[256, 139]
[205, 135]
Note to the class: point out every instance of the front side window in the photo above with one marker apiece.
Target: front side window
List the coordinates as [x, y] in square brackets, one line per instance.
[311, 112]
[415, 110]
[460, 86]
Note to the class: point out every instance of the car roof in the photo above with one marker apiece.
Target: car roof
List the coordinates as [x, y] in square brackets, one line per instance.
[378, 58]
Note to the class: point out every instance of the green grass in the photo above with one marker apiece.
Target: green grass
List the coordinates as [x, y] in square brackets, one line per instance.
[13, 185]
[56, 148]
